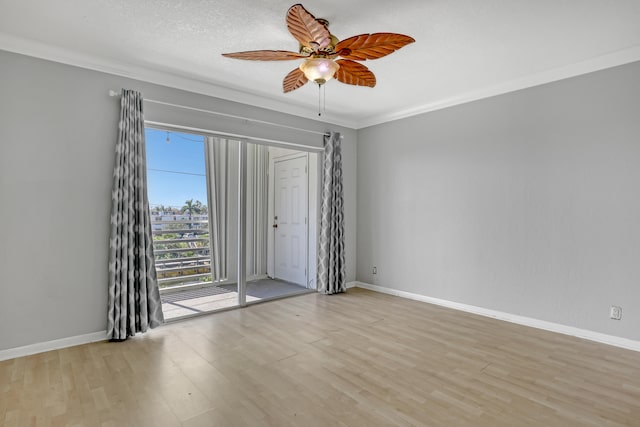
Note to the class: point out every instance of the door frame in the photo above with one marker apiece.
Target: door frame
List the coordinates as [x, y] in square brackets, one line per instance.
[313, 212]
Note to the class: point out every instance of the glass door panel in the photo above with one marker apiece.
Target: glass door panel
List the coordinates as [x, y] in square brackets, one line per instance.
[191, 191]
[278, 246]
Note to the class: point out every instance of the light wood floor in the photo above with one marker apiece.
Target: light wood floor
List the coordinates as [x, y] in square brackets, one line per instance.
[358, 359]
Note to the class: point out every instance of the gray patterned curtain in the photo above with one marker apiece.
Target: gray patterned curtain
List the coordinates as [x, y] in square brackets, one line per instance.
[134, 298]
[331, 257]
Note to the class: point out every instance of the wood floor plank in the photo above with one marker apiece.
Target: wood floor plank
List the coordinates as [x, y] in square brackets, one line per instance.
[356, 359]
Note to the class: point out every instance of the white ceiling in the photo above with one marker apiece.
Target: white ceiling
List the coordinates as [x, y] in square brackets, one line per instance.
[464, 50]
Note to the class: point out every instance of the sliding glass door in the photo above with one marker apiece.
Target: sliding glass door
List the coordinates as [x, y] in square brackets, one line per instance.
[212, 208]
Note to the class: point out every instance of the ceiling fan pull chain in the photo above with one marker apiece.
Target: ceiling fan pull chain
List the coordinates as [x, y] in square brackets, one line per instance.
[324, 98]
[319, 100]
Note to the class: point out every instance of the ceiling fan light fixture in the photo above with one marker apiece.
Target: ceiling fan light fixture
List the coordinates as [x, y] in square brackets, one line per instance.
[319, 70]
[319, 48]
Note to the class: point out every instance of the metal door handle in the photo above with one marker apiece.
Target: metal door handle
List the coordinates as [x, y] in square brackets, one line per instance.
[275, 225]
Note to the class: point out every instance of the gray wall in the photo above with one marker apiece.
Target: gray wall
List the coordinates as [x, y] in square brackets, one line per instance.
[526, 203]
[57, 137]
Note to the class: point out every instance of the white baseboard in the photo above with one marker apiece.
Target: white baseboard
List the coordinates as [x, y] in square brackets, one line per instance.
[508, 317]
[41, 347]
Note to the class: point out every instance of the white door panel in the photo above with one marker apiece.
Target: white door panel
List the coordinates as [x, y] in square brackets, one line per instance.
[290, 220]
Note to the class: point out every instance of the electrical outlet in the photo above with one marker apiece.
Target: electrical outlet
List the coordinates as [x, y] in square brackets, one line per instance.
[374, 270]
[615, 312]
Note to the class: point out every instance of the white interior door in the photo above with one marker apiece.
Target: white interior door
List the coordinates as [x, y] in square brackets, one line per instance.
[290, 220]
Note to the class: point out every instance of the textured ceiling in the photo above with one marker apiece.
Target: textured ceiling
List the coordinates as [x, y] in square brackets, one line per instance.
[464, 49]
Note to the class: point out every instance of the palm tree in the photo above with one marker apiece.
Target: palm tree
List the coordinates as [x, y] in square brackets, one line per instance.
[199, 206]
[191, 208]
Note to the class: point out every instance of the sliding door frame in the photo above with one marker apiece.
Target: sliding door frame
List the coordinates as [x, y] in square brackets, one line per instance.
[242, 194]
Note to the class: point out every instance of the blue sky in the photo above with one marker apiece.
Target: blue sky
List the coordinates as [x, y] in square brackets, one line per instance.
[175, 170]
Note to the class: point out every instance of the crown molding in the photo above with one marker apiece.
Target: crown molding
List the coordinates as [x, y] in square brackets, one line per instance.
[614, 59]
[197, 85]
[188, 83]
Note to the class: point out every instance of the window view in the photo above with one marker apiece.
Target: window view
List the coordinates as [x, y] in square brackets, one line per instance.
[191, 256]
[177, 191]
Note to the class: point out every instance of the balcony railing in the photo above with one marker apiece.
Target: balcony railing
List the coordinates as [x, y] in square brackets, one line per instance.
[182, 250]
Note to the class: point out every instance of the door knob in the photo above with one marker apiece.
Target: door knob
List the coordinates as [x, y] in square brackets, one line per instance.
[275, 225]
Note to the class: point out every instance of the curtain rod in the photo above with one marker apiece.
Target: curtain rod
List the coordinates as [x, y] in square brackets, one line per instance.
[113, 93]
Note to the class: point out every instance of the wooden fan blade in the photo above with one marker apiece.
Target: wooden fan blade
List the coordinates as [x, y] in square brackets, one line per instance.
[306, 28]
[371, 46]
[265, 55]
[294, 80]
[354, 73]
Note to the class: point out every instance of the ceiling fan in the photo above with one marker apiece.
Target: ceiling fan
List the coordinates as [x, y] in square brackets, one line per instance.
[320, 50]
